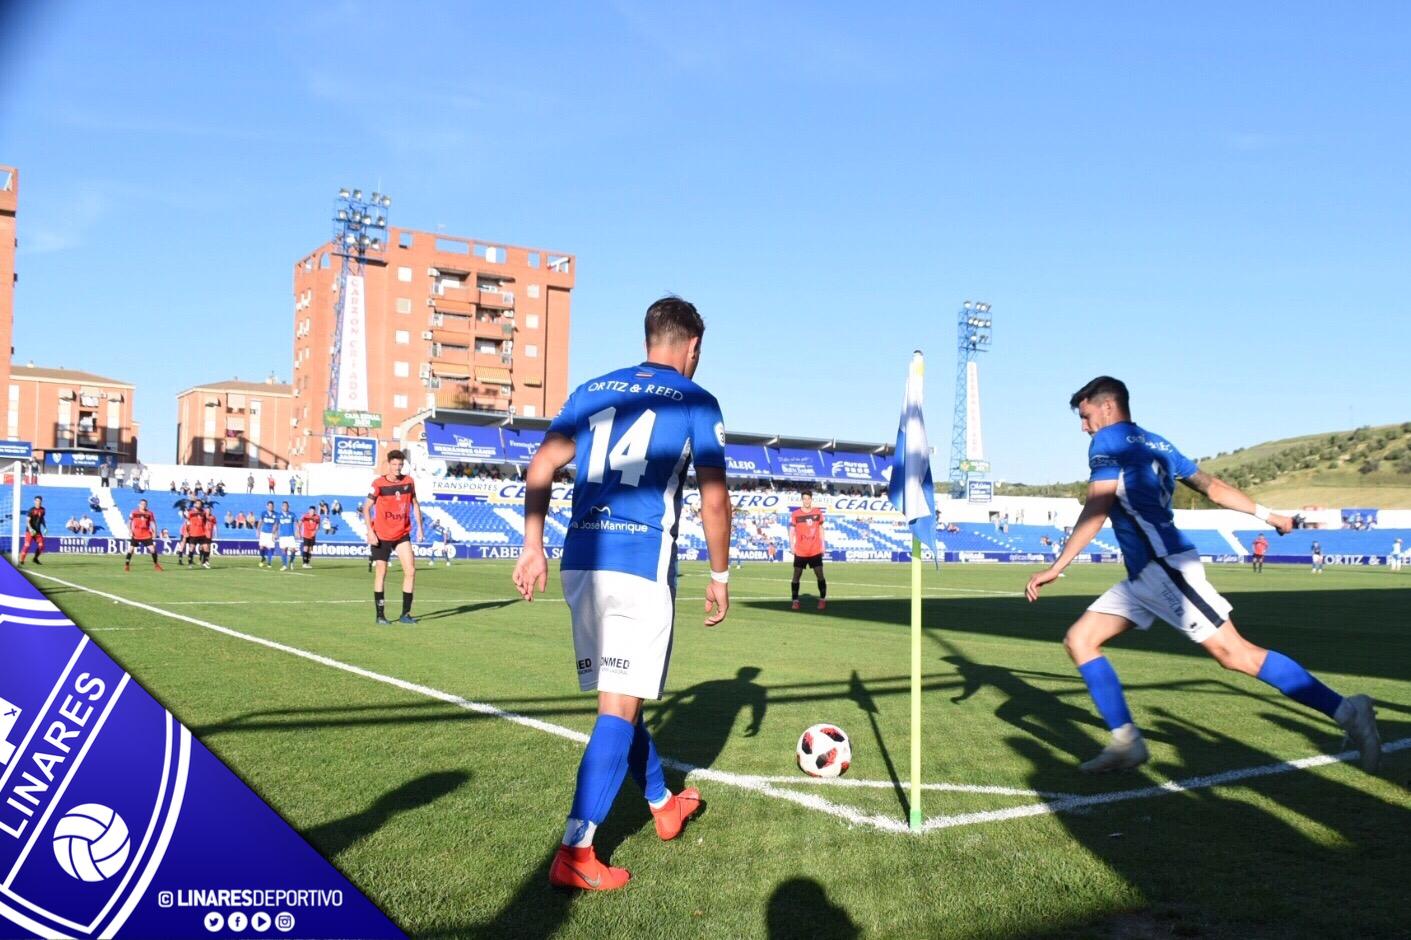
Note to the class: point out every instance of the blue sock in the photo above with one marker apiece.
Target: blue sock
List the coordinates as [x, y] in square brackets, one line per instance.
[1106, 690]
[1298, 684]
[645, 765]
[601, 771]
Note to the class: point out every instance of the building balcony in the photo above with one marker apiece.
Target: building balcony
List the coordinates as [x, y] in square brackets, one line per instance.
[454, 300]
[472, 396]
[495, 300]
[455, 330]
[494, 327]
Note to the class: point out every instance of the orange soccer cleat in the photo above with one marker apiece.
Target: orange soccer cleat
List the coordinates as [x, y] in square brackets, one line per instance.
[795, 605]
[671, 818]
[579, 868]
[822, 604]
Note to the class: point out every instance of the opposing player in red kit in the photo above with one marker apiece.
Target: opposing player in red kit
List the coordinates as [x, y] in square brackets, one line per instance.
[144, 535]
[388, 515]
[806, 538]
[34, 531]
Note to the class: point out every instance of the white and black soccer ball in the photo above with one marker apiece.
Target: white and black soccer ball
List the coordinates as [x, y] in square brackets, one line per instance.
[824, 751]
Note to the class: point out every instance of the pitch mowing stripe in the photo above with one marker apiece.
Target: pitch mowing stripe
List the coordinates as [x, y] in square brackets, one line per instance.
[766, 785]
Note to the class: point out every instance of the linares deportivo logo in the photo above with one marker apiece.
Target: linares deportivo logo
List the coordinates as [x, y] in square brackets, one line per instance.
[113, 818]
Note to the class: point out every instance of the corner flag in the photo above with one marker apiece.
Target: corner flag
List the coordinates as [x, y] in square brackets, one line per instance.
[914, 495]
[911, 489]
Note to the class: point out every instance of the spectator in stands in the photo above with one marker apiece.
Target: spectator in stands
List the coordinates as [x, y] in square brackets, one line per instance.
[118, 476]
[249, 484]
[34, 472]
[229, 519]
[337, 506]
[323, 507]
[293, 488]
[239, 520]
[166, 533]
[72, 524]
[85, 524]
[95, 504]
[146, 478]
[105, 474]
[173, 486]
[271, 484]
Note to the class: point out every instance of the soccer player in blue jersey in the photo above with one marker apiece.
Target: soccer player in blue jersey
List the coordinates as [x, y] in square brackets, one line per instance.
[633, 432]
[288, 544]
[269, 529]
[1133, 475]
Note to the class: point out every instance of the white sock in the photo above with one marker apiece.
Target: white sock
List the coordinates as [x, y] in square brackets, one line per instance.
[1126, 734]
[662, 802]
[578, 833]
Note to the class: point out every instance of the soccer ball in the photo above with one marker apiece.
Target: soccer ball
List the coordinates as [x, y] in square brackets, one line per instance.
[824, 751]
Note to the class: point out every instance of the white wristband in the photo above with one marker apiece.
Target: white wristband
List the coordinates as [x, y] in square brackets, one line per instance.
[1261, 512]
[720, 577]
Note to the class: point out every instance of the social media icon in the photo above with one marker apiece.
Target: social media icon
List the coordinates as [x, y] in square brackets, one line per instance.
[214, 921]
[284, 921]
[260, 922]
[237, 921]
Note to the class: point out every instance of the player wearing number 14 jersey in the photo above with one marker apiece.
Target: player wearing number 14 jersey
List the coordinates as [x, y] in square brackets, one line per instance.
[633, 433]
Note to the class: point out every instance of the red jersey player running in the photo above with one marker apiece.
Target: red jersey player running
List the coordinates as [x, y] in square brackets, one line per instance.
[308, 532]
[806, 541]
[388, 515]
[1261, 548]
[144, 534]
[34, 531]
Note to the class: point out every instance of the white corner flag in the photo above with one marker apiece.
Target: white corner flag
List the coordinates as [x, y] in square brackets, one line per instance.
[911, 489]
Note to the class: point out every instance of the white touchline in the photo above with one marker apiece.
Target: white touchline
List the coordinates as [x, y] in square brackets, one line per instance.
[766, 786]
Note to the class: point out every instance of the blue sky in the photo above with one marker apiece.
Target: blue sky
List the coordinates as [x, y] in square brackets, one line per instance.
[1211, 201]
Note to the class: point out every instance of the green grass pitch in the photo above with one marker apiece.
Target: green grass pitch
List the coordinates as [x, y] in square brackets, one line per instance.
[446, 814]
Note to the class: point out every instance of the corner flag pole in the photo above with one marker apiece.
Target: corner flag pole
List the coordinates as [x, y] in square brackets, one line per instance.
[915, 684]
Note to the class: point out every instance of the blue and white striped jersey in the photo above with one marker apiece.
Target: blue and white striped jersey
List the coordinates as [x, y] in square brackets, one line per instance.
[634, 431]
[286, 524]
[1146, 467]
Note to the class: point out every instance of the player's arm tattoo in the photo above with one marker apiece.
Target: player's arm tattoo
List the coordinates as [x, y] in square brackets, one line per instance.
[1200, 481]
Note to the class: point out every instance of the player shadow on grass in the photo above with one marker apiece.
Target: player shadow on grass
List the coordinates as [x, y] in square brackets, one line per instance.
[333, 837]
[475, 607]
[799, 909]
[691, 728]
[1280, 855]
[862, 696]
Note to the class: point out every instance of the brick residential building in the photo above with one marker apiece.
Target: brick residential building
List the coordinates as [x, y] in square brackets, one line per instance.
[68, 411]
[9, 240]
[451, 323]
[235, 424]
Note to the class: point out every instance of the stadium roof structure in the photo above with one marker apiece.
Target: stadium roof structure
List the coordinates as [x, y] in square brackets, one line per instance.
[236, 385]
[43, 374]
[516, 422]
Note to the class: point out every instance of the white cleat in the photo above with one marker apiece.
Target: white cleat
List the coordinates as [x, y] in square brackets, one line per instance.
[1359, 720]
[1127, 750]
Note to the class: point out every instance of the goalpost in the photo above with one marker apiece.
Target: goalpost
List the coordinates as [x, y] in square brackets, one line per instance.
[17, 480]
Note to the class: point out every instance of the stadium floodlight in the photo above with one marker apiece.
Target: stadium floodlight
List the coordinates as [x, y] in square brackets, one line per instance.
[386, 201]
[358, 194]
[376, 197]
[342, 215]
[967, 305]
[343, 193]
[376, 244]
[381, 221]
[350, 239]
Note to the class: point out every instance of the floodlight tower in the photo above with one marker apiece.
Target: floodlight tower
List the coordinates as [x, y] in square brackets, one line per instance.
[359, 230]
[967, 448]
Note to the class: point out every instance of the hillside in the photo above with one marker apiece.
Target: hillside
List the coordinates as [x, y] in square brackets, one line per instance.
[1370, 466]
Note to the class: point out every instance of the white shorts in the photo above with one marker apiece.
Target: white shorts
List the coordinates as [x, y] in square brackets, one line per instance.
[287, 543]
[266, 540]
[1172, 588]
[622, 628]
